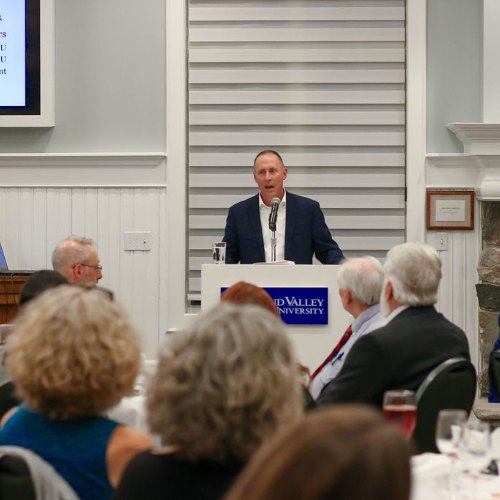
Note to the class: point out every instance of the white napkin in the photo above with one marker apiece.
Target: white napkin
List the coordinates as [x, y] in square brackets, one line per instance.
[495, 444]
[430, 465]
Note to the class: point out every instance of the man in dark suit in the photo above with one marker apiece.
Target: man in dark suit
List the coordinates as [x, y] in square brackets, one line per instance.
[301, 229]
[415, 340]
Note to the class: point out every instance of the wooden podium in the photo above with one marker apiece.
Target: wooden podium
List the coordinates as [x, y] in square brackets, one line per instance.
[10, 289]
[313, 343]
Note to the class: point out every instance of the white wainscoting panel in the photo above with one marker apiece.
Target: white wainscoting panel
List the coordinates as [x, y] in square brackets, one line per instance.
[34, 219]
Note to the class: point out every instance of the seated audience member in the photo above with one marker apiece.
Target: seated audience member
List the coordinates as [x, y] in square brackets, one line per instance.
[223, 386]
[491, 396]
[72, 355]
[77, 260]
[360, 285]
[244, 293]
[343, 453]
[39, 282]
[415, 340]
[36, 284]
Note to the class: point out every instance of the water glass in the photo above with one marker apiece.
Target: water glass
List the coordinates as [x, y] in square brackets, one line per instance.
[449, 429]
[475, 449]
[219, 252]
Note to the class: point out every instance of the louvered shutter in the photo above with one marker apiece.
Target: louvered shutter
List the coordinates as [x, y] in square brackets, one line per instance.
[320, 81]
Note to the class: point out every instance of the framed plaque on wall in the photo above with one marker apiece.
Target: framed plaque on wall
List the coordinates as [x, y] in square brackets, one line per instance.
[450, 210]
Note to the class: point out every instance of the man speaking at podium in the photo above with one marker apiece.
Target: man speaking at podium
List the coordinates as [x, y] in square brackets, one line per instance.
[298, 222]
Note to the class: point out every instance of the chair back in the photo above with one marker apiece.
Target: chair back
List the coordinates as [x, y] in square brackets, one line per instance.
[15, 479]
[8, 398]
[494, 372]
[451, 385]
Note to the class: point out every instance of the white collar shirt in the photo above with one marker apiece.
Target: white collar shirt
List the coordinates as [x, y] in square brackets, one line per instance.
[370, 319]
[394, 313]
[265, 211]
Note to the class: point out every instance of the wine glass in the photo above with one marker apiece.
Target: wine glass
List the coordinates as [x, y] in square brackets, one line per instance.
[448, 435]
[400, 408]
[474, 449]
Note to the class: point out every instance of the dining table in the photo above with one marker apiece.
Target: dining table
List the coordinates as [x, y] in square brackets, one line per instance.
[431, 474]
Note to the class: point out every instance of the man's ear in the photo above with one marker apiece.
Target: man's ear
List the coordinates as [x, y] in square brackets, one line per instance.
[77, 271]
[389, 291]
[345, 296]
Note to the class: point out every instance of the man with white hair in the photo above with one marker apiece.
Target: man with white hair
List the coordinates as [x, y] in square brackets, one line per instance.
[415, 340]
[77, 260]
[360, 285]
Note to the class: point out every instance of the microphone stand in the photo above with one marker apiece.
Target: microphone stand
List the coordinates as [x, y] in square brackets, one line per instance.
[272, 226]
[273, 246]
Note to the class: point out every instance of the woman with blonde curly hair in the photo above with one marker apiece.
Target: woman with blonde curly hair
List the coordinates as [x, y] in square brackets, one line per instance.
[222, 387]
[72, 355]
[343, 452]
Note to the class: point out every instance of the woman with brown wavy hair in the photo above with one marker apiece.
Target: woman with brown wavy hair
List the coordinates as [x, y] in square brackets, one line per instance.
[344, 452]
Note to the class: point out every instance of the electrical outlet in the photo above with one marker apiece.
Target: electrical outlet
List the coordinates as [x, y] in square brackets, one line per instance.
[441, 242]
[137, 240]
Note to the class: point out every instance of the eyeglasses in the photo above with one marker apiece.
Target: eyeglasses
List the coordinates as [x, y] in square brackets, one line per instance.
[88, 265]
[93, 267]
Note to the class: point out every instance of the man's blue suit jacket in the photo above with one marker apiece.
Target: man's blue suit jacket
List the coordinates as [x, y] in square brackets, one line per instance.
[306, 233]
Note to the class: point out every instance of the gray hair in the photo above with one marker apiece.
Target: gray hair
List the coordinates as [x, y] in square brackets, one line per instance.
[414, 269]
[225, 384]
[64, 257]
[362, 277]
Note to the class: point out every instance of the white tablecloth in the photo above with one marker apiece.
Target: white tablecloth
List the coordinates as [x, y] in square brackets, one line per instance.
[132, 412]
[430, 477]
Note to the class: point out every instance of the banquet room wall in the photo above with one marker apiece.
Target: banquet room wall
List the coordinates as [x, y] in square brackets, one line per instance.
[454, 94]
[103, 168]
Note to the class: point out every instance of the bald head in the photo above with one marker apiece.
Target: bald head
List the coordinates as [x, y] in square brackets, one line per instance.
[77, 260]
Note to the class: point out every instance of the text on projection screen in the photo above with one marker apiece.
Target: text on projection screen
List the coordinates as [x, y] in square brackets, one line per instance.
[12, 53]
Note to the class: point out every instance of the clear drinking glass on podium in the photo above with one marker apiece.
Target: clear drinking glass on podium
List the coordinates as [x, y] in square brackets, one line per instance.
[400, 408]
[219, 252]
[449, 429]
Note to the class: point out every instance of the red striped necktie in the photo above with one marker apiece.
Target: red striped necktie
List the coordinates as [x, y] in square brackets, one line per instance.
[342, 341]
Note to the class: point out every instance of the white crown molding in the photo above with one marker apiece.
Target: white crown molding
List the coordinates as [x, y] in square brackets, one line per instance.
[478, 167]
[452, 171]
[83, 170]
[465, 171]
[478, 138]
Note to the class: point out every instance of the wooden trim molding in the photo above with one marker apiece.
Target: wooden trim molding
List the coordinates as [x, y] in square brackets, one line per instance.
[83, 170]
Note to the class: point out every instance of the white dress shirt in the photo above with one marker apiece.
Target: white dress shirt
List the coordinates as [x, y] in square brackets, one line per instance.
[265, 211]
[370, 319]
[394, 313]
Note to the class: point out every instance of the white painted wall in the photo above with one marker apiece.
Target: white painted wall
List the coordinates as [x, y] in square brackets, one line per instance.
[454, 69]
[454, 94]
[109, 80]
[39, 210]
[491, 68]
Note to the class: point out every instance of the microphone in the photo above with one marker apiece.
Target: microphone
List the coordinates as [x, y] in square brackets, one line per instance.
[273, 216]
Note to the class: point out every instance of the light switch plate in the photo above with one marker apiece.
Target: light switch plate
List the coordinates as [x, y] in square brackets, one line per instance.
[137, 240]
[441, 242]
